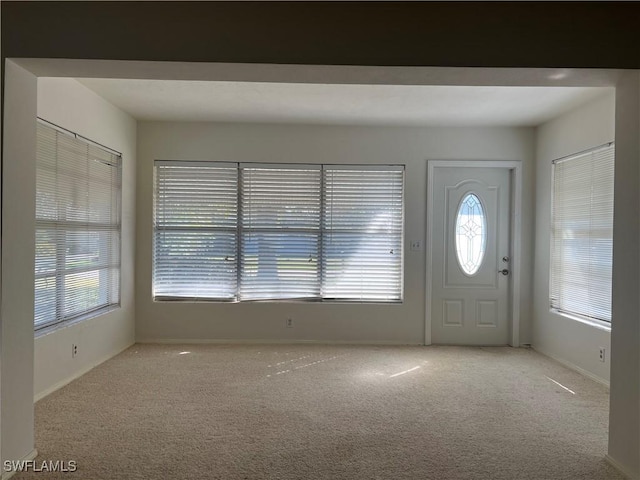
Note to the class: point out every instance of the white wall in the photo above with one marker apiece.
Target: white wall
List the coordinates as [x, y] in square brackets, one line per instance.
[624, 400]
[569, 341]
[18, 259]
[71, 105]
[317, 144]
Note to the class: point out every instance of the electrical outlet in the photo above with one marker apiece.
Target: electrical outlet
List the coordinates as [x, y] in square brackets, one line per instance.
[602, 354]
[74, 350]
[415, 245]
[288, 322]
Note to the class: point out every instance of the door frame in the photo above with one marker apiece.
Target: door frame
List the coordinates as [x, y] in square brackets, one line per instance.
[515, 171]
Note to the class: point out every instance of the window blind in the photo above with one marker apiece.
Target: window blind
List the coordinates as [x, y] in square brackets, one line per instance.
[280, 212]
[362, 233]
[77, 262]
[255, 232]
[582, 234]
[195, 230]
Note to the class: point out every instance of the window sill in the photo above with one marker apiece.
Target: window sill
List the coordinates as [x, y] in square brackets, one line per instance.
[42, 332]
[296, 301]
[598, 324]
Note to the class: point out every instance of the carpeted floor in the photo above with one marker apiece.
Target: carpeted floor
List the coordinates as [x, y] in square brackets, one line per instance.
[326, 412]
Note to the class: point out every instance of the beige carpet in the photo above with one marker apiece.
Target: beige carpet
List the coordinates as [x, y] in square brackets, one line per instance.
[326, 412]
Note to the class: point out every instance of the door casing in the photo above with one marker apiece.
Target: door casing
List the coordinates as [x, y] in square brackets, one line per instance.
[515, 169]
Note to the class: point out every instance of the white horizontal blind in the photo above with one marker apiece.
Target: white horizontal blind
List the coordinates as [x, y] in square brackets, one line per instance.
[78, 192]
[582, 234]
[195, 230]
[280, 225]
[362, 234]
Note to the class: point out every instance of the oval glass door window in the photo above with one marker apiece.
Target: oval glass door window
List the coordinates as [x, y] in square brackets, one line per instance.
[471, 234]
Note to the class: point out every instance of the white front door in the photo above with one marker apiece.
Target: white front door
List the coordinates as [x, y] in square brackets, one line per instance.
[470, 256]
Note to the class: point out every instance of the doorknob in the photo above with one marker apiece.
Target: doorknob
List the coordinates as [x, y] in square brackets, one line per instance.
[505, 259]
[504, 271]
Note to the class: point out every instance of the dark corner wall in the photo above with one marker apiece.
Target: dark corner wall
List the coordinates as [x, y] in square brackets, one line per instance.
[484, 34]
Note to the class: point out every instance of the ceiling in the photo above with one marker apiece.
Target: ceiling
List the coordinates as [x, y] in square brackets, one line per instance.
[339, 104]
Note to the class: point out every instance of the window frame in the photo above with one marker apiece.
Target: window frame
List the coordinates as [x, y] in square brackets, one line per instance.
[328, 231]
[113, 287]
[319, 232]
[224, 229]
[246, 230]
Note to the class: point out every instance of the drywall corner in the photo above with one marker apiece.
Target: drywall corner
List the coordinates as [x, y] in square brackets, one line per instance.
[624, 418]
[18, 256]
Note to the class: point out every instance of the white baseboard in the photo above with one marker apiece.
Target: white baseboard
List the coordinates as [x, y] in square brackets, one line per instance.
[231, 341]
[30, 456]
[623, 470]
[573, 367]
[77, 374]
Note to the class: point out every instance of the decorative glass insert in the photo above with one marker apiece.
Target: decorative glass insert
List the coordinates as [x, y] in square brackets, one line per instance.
[471, 234]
